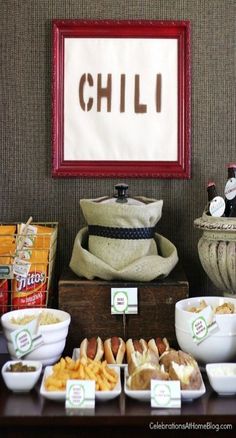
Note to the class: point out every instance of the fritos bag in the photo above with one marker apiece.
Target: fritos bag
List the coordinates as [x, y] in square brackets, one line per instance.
[43, 237]
[6, 253]
[30, 291]
[7, 243]
[7, 232]
[7, 250]
[3, 296]
[38, 236]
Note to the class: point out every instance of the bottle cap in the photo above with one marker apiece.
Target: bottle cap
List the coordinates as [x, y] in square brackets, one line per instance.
[231, 165]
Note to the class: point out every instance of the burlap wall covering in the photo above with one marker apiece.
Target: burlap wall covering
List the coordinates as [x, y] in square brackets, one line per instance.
[26, 184]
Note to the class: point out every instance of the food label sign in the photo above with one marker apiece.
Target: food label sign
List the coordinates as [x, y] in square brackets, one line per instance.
[80, 394]
[165, 394]
[203, 324]
[124, 300]
[26, 339]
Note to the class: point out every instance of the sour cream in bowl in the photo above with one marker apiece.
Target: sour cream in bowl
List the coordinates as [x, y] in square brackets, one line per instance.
[222, 377]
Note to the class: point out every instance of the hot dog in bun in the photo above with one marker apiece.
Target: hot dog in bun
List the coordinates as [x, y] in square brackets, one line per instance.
[132, 345]
[92, 348]
[114, 349]
[158, 345]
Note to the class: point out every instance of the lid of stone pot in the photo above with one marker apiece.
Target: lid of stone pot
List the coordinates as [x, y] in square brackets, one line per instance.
[121, 196]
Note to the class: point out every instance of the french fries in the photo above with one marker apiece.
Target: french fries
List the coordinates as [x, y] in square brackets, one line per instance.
[81, 369]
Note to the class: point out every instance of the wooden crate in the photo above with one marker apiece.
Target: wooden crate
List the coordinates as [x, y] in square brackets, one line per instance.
[89, 303]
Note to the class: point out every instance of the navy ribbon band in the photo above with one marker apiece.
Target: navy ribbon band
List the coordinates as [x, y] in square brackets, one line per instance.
[121, 233]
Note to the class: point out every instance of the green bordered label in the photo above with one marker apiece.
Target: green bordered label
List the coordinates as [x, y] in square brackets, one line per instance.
[199, 328]
[165, 394]
[203, 324]
[80, 394]
[26, 339]
[124, 300]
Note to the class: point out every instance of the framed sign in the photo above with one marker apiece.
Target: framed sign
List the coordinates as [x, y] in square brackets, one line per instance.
[121, 99]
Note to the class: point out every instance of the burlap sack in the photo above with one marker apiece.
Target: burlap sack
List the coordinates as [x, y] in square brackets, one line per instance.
[145, 268]
[120, 233]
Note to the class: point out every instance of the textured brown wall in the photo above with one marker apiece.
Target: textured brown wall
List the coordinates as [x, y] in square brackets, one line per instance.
[26, 184]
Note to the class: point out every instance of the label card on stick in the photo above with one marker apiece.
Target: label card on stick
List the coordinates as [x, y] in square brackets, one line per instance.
[124, 300]
[203, 324]
[26, 338]
[80, 394]
[165, 394]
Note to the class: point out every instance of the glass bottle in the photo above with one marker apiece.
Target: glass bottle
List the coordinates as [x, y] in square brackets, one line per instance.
[216, 204]
[230, 191]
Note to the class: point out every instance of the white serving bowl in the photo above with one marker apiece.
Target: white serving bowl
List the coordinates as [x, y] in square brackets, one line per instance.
[21, 381]
[54, 335]
[222, 377]
[220, 346]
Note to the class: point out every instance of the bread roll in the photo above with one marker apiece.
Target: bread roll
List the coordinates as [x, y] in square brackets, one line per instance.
[142, 376]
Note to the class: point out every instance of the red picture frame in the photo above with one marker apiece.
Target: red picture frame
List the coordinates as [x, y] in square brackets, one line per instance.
[177, 31]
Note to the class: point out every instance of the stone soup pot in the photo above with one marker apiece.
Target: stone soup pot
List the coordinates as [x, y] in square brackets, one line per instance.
[217, 251]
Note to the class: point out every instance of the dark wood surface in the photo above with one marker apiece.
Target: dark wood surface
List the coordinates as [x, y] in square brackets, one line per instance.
[89, 304]
[31, 412]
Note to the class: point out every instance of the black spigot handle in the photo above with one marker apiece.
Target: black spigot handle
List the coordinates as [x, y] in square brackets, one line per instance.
[122, 194]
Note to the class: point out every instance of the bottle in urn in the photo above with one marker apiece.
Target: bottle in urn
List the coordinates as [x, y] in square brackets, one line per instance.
[230, 191]
[216, 204]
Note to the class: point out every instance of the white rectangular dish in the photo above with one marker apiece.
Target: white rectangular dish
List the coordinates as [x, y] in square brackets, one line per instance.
[61, 395]
[145, 395]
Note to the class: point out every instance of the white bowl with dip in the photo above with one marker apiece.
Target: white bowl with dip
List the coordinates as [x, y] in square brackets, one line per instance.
[220, 345]
[222, 377]
[53, 333]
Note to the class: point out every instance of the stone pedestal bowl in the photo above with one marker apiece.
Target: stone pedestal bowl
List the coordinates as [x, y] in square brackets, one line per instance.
[217, 251]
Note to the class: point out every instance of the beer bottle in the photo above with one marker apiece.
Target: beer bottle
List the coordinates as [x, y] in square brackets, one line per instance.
[230, 191]
[233, 209]
[216, 204]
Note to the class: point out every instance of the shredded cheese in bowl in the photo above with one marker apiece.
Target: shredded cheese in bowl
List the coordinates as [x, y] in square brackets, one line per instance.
[45, 318]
